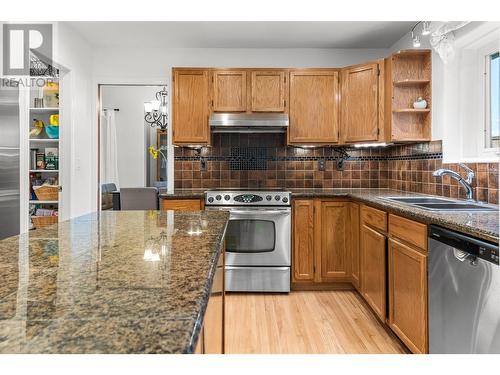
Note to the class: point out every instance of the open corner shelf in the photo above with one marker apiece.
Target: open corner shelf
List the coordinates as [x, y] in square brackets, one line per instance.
[411, 110]
[409, 76]
[411, 82]
[43, 202]
[413, 52]
[44, 170]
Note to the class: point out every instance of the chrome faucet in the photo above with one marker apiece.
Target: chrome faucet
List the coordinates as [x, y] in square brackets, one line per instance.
[466, 183]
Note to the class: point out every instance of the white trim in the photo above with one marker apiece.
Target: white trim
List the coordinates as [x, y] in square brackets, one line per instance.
[24, 158]
[493, 49]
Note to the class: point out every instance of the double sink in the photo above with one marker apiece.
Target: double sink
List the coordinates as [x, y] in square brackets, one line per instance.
[443, 204]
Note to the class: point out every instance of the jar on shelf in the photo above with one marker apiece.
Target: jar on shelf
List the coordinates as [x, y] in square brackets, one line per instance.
[51, 95]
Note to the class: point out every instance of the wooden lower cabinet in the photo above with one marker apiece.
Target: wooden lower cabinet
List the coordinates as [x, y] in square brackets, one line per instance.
[320, 243]
[373, 270]
[303, 240]
[181, 204]
[335, 260]
[353, 242]
[408, 295]
[211, 339]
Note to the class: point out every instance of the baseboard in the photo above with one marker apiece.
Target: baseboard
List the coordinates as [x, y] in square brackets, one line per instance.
[322, 286]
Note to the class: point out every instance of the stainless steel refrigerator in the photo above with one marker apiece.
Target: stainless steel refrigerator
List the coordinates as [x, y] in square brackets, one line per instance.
[9, 162]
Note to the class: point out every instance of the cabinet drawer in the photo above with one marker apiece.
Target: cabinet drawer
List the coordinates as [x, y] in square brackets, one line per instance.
[374, 218]
[408, 230]
[181, 204]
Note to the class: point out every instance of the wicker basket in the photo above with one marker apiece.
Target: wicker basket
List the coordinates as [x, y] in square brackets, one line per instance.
[47, 192]
[43, 221]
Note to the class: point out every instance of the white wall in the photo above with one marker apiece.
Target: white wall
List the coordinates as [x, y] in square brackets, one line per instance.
[133, 136]
[78, 174]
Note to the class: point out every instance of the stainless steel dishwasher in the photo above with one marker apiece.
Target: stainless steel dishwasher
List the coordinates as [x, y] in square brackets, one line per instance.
[464, 294]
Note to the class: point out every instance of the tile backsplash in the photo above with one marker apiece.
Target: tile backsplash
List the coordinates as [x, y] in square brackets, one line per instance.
[264, 160]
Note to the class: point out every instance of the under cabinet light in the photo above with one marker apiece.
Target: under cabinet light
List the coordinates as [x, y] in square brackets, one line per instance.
[366, 145]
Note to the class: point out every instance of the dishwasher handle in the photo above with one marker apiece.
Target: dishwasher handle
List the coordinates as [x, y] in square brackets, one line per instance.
[473, 246]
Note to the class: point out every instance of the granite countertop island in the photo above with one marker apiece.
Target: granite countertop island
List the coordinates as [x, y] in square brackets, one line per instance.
[110, 282]
[484, 225]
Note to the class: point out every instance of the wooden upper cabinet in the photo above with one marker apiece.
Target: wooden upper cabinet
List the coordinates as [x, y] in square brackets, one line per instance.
[229, 90]
[190, 106]
[408, 295]
[360, 103]
[303, 240]
[314, 107]
[335, 260]
[268, 91]
[373, 258]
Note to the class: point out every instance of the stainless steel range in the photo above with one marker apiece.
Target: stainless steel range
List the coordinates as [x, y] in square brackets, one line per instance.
[258, 239]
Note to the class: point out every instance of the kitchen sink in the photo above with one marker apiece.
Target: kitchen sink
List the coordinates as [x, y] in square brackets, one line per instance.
[442, 204]
[420, 200]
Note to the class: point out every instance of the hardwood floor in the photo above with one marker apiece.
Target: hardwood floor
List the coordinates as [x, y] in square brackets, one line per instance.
[305, 322]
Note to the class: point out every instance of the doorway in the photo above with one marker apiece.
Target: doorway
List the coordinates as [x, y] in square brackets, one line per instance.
[125, 138]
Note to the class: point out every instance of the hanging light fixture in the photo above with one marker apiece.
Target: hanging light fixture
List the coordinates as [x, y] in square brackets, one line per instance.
[157, 110]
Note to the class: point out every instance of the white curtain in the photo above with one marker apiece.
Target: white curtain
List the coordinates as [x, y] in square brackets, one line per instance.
[109, 151]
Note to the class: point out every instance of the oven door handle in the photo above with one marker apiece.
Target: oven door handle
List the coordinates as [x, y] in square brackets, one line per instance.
[254, 212]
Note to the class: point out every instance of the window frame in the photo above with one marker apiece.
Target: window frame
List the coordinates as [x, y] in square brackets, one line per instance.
[485, 55]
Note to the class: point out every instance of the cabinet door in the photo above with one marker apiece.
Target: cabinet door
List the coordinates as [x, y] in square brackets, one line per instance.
[213, 323]
[268, 91]
[373, 270]
[335, 263]
[190, 107]
[360, 103]
[303, 240]
[314, 107]
[229, 93]
[408, 295]
[353, 241]
[181, 204]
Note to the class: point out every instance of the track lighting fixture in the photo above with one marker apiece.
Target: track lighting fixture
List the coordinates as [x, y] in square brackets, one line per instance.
[426, 28]
[416, 40]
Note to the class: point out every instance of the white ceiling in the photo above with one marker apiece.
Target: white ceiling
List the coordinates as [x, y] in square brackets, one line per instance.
[356, 34]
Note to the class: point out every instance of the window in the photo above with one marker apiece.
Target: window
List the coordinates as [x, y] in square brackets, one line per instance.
[492, 77]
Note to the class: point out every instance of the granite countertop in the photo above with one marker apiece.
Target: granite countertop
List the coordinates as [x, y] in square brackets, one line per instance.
[83, 286]
[484, 225]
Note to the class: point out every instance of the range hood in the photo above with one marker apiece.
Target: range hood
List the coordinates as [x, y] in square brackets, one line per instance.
[248, 122]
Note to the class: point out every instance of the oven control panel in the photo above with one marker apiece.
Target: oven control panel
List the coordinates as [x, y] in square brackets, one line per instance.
[243, 198]
[247, 198]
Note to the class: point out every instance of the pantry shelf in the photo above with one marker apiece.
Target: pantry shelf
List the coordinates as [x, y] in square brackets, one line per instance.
[42, 140]
[44, 110]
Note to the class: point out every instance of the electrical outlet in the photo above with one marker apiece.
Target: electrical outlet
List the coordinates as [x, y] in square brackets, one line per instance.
[340, 164]
[321, 165]
[203, 165]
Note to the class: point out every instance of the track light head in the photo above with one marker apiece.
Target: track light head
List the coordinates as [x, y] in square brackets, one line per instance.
[426, 28]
